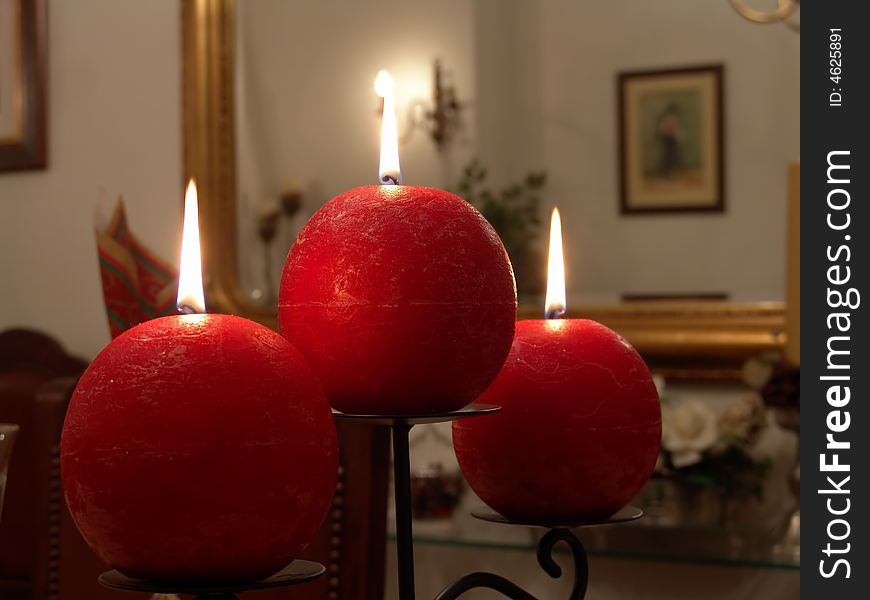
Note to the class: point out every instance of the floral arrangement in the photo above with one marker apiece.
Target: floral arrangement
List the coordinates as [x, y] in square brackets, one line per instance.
[703, 449]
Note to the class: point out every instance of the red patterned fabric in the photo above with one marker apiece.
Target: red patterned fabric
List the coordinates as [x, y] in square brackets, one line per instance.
[137, 284]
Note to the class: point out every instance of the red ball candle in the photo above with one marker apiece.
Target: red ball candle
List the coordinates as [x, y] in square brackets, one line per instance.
[579, 430]
[402, 299]
[198, 448]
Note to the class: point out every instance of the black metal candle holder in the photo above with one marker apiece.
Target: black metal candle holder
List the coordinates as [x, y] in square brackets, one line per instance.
[299, 571]
[401, 428]
[558, 532]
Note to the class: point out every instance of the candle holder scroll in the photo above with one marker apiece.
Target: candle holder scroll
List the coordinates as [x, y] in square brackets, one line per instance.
[557, 532]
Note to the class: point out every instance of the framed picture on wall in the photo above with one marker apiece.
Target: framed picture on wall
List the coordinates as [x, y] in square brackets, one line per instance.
[22, 85]
[671, 140]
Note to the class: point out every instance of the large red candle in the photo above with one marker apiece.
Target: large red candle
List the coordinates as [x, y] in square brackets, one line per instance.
[402, 298]
[198, 448]
[579, 430]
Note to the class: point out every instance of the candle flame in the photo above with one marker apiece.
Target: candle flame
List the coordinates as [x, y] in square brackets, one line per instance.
[389, 171]
[383, 83]
[556, 302]
[190, 295]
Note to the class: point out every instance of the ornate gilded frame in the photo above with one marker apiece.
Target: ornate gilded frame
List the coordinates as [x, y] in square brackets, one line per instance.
[698, 340]
[208, 73]
[27, 148]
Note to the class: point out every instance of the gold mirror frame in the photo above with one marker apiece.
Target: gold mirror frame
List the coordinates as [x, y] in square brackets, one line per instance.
[698, 340]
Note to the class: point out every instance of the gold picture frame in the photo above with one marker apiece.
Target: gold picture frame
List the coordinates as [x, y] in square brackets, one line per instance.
[22, 85]
[671, 140]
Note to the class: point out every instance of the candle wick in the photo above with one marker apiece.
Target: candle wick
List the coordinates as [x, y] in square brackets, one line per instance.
[391, 179]
[554, 313]
[187, 309]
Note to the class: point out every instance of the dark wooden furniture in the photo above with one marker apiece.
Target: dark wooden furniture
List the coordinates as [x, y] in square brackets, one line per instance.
[36, 376]
[352, 541]
[42, 555]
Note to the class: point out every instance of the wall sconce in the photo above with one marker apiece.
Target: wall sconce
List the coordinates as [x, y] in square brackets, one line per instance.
[440, 118]
[785, 12]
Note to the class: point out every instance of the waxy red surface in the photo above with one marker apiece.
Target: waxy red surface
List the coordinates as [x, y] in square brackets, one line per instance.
[579, 430]
[199, 448]
[402, 299]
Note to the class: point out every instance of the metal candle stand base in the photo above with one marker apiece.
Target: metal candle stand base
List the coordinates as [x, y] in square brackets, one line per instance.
[558, 532]
[299, 571]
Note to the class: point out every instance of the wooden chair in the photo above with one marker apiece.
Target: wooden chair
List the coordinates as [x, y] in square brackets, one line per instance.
[42, 555]
[35, 373]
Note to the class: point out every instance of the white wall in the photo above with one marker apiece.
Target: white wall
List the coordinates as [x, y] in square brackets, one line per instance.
[309, 111]
[114, 128]
[538, 78]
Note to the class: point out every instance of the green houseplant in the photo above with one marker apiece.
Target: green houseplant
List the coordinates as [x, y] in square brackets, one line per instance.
[513, 212]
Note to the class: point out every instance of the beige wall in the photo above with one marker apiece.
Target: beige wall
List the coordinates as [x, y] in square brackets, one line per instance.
[538, 81]
[114, 128]
[569, 127]
[308, 111]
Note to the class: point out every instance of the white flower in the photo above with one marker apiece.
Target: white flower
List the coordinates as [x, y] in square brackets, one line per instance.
[744, 418]
[688, 429]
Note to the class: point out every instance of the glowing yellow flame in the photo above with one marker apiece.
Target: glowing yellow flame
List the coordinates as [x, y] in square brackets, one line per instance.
[190, 295]
[555, 302]
[389, 171]
[383, 84]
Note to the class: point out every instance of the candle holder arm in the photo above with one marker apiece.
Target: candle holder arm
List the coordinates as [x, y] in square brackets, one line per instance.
[578, 553]
[484, 580]
[545, 559]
